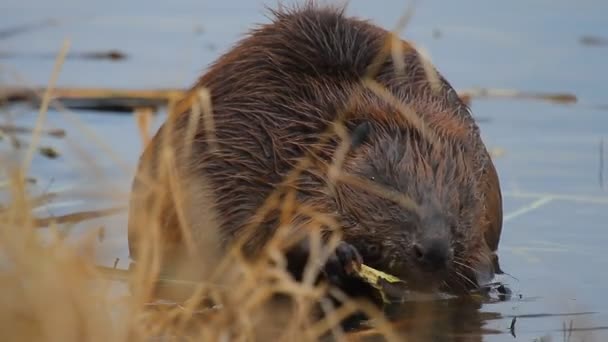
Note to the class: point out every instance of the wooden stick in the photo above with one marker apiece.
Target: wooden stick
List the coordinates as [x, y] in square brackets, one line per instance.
[128, 100]
[101, 99]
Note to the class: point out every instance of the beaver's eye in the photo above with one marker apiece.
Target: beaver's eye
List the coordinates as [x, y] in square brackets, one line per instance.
[360, 134]
[372, 178]
[373, 250]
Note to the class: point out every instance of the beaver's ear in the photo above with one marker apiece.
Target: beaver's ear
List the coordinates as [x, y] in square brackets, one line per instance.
[360, 134]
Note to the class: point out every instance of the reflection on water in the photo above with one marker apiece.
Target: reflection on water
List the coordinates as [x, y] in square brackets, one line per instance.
[554, 236]
[450, 320]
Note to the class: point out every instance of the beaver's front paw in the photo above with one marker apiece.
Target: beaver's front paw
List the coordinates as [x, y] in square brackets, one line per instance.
[342, 264]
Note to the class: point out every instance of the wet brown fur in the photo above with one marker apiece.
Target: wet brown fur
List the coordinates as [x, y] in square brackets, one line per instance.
[273, 95]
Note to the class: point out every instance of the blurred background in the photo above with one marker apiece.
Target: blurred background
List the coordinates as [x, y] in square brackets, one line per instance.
[549, 153]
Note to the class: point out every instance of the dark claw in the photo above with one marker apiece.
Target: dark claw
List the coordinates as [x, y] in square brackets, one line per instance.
[342, 263]
[338, 271]
[349, 257]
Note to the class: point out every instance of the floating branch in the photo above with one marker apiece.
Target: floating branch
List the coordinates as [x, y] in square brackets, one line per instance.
[100, 99]
[125, 100]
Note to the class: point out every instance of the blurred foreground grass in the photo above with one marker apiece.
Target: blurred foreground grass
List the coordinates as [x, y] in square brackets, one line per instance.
[52, 289]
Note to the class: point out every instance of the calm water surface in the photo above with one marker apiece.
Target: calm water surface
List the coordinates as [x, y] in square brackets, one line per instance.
[556, 213]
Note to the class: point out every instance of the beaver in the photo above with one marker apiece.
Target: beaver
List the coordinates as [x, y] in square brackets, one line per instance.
[274, 96]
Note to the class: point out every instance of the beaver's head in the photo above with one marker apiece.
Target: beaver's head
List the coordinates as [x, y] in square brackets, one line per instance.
[426, 225]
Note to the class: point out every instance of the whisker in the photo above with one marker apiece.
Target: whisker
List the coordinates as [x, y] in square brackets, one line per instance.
[486, 257]
[460, 258]
[458, 281]
[447, 286]
[467, 263]
[464, 265]
[466, 278]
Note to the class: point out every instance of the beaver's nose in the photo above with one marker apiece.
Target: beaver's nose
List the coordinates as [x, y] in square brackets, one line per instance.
[432, 255]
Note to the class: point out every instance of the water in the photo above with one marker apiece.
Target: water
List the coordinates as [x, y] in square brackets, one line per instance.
[554, 234]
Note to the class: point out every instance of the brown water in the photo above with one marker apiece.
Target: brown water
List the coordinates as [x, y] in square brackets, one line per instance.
[555, 231]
